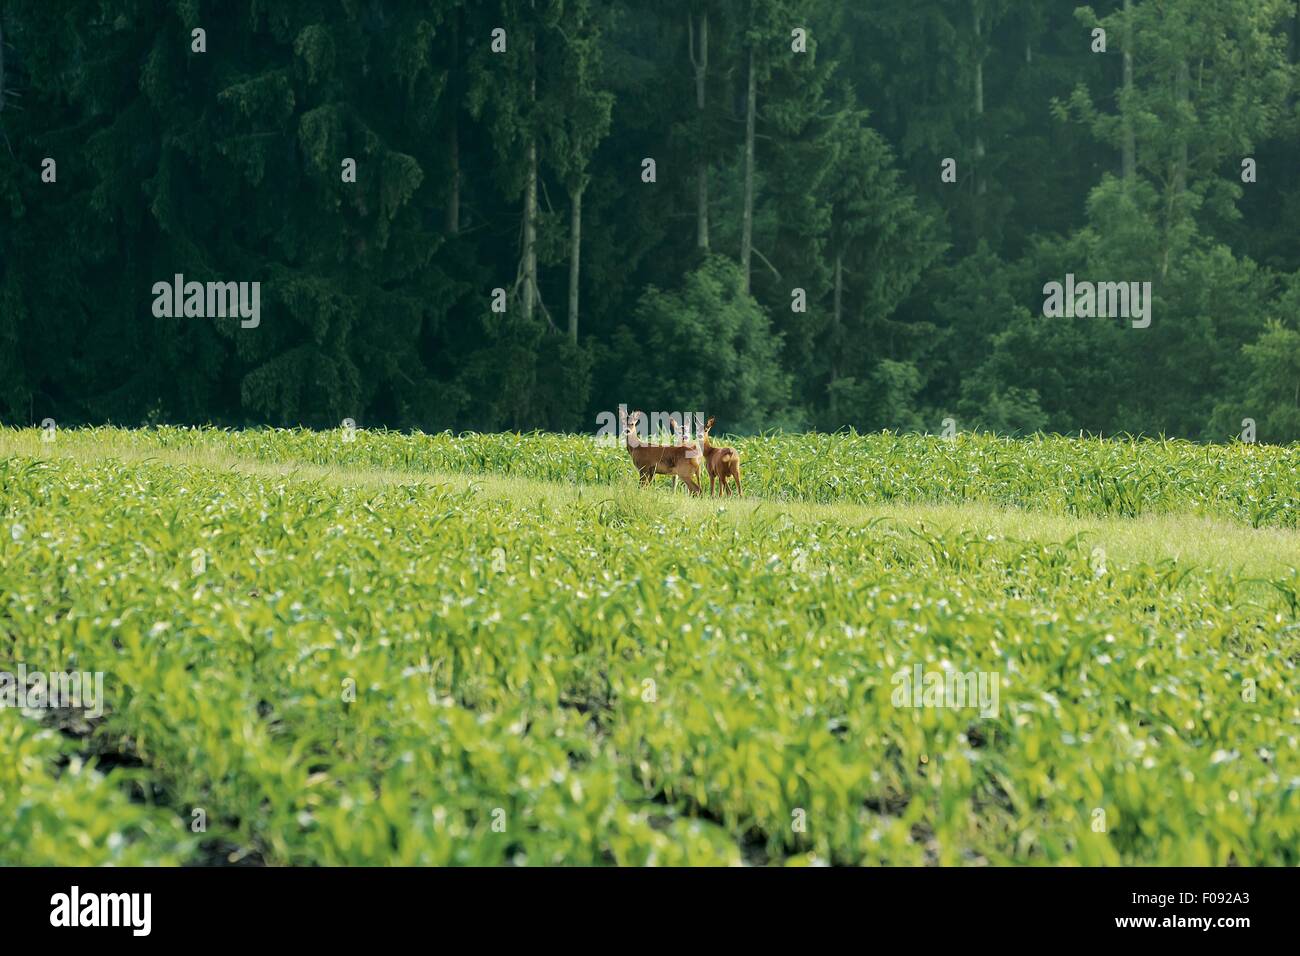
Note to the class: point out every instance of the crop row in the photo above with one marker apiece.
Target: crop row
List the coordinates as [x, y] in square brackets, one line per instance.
[1257, 485]
[419, 674]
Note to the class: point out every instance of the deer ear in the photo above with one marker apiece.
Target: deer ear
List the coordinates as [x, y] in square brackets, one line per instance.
[709, 426]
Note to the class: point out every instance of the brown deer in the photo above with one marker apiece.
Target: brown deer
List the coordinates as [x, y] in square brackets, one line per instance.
[680, 461]
[722, 462]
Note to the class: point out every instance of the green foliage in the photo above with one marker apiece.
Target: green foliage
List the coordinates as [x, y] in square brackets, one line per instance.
[1256, 485]
[58, 809]
[1270, 386]
[615, 685]
[923, 295]
[707, 346]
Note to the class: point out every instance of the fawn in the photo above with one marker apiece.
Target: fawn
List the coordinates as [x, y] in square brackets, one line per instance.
[680, 461]
[722, 462]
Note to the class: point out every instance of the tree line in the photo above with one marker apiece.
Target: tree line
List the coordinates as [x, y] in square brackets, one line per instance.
[790, 213]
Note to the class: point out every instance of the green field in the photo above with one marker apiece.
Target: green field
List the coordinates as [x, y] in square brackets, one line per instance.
[487, 649]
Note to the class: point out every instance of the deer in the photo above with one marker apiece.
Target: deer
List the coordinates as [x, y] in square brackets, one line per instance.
[722, 462]
[680, 461]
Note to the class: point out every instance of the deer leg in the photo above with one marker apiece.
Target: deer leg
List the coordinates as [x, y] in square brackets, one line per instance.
[736, 478]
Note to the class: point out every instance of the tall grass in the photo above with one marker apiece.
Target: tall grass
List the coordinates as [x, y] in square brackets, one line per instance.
[1255, 484]
[417, 673]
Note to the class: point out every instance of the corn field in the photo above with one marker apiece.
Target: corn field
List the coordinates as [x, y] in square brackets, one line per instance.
[1255, 484]
[409, 670]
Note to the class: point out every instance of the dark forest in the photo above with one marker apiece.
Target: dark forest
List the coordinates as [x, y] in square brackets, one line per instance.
[513, 214]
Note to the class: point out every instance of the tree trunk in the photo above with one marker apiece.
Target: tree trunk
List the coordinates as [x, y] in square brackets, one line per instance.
[1292, 30]
[701, 64]
[530, 202]
[1184, 94]
[1130, 142]
[1293, 42]
[747, 223]
[1029, 36]
[575, 247]
[1178, 184]
[453, 87]
[453, 200]
[837, 313]
[530, 232]
[979, 101]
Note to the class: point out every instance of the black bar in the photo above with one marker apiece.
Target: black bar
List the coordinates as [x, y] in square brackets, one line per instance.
[564, 906]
